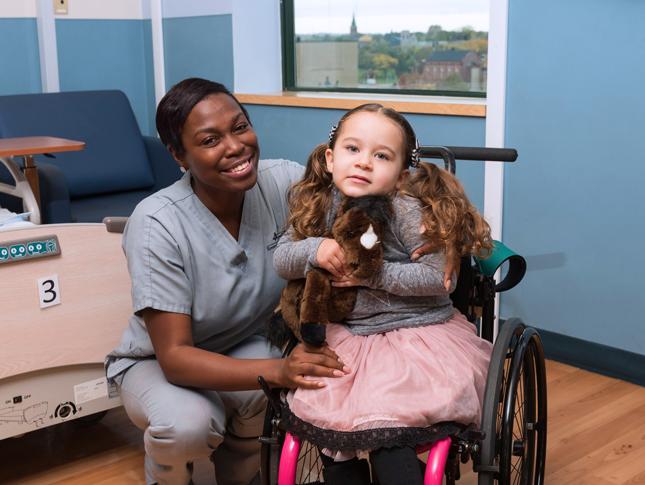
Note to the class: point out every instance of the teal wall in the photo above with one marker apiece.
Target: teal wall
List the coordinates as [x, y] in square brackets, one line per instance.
[19, 60]
[199, 47]
[292, 133]
[573, 201]
[109, 54]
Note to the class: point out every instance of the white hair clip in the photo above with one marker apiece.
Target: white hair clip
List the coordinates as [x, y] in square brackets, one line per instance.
[415, 156]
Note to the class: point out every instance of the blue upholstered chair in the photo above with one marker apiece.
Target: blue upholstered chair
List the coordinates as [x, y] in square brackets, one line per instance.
[117, 169]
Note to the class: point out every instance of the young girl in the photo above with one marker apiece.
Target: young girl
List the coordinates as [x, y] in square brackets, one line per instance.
[416, 369]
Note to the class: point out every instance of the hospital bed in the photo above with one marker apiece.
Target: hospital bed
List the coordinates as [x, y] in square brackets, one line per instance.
[64, 302]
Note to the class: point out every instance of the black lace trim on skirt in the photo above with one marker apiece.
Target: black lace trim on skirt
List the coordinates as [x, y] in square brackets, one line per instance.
[369, 439]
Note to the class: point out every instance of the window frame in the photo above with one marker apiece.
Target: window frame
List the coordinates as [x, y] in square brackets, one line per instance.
[287, 19]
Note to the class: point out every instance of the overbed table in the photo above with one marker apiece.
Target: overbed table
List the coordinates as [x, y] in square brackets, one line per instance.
[26, 178]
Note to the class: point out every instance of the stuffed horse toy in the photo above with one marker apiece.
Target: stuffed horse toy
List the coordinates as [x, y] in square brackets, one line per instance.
[308, 304]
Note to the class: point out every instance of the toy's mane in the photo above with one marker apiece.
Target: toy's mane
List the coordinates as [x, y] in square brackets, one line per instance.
[378, 207]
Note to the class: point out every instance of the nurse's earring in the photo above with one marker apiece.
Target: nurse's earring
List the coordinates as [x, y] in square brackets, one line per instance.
[182, 169]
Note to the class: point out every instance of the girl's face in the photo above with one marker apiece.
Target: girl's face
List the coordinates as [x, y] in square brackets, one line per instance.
[221, 148]
[367, 158]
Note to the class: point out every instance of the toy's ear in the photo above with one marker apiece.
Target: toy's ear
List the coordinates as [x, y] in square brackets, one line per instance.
[329, 159]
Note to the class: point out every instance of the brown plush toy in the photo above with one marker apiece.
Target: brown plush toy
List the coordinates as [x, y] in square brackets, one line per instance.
[308, 304]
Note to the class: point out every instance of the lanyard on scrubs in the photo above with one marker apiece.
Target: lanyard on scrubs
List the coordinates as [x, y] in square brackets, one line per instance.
[273, 198]
[276, 237]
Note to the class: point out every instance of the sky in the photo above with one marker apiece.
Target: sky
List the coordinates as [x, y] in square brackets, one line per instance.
[382, 16]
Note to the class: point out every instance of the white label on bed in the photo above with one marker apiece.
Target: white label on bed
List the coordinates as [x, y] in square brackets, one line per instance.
[90, 390]
[49, 291]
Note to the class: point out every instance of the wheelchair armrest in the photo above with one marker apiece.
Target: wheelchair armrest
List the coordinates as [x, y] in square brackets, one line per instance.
[501, 254]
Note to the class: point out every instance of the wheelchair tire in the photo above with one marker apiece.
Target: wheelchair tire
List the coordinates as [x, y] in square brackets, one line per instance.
[270, 447]
[310, 466]
[514, 412]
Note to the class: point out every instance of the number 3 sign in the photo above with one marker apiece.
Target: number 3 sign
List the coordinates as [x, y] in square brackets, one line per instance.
[49, 291]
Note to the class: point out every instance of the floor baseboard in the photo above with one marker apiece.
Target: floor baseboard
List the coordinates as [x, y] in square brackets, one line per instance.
[605, 360]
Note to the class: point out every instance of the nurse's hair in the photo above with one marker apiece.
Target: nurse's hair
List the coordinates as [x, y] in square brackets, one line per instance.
[175, 107]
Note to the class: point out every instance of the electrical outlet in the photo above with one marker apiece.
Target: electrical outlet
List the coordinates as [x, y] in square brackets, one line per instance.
[60, 7]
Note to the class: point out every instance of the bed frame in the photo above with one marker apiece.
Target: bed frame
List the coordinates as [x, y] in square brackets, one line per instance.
[51, 365]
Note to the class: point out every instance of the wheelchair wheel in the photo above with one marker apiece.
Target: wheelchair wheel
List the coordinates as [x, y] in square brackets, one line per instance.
[514, 414]
[271, 444]
[309, 467]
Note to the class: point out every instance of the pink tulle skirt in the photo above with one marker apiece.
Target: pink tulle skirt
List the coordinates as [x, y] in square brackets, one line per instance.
[411, 377]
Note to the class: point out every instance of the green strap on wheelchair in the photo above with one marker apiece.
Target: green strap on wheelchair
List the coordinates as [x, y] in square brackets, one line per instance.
[500, 254]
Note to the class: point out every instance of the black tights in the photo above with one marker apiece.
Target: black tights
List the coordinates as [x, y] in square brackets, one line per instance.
[391, 466]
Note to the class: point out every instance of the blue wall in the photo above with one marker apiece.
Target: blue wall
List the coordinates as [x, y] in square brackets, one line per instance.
[293, 132]
[109, 54]
[199, 47]
[19, 60]
[575, 112]
[573, 202]
[117, 54]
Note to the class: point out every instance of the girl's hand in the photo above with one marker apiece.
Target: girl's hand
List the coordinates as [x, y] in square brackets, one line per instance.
[449, 269]
[347, 281]
[305, 360]
[331, 257]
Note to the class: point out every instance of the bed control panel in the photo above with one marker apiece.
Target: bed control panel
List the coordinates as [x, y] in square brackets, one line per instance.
[24, 249]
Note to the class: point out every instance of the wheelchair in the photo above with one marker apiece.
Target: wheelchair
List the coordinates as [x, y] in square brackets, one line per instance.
[510, 445]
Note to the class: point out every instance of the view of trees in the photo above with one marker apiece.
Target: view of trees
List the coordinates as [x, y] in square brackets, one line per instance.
[407, 59]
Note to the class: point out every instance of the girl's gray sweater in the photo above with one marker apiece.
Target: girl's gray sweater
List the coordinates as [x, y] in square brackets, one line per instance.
[403, 294]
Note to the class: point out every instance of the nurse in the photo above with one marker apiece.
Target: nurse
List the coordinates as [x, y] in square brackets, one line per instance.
[203, 286]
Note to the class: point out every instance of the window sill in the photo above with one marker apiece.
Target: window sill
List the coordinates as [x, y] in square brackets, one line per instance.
[432, 105]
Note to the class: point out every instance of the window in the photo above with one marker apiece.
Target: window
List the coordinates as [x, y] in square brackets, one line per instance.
[408, 46]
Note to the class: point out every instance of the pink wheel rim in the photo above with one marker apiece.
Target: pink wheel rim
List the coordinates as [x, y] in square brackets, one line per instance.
[437, 462]
[288, 460]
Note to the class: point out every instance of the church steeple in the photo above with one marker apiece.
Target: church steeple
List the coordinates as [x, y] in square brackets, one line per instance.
[353, 30]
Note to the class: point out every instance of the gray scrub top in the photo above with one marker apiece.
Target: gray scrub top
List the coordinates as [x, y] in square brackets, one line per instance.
[181, 259]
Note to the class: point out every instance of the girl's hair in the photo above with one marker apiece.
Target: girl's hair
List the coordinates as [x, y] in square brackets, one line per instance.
[452, 223]
[310, 199]
[175, 107]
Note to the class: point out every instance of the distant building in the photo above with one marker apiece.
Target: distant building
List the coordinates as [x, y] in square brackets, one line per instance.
[408, 39]
[353, 31]
[327, 64]
[445, 63]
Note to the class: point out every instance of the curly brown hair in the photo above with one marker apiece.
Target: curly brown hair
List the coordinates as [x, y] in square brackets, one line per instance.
[310, 199]
[452, 223]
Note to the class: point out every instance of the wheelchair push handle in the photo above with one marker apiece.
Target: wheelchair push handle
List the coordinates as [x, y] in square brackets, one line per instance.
[450, 154]
[471, 153]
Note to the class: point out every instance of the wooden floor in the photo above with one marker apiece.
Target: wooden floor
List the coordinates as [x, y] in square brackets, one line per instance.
[596, 436]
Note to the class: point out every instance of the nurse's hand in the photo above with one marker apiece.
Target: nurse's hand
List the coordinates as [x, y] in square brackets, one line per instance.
[314, 362]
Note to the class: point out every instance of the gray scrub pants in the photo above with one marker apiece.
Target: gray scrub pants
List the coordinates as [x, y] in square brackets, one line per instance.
[184, 424]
